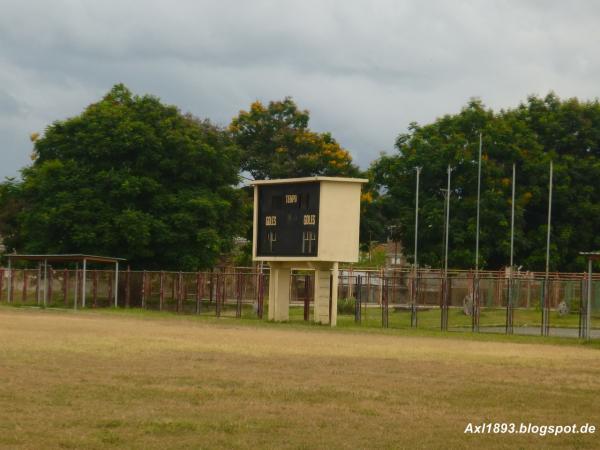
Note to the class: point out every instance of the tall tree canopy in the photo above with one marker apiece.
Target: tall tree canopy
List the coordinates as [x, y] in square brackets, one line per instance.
[537, 131]
[129, 177]
[276, 143]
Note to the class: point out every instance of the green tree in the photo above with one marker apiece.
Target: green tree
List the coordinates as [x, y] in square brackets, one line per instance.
[129, 177]
[537, 131]
[276, 143]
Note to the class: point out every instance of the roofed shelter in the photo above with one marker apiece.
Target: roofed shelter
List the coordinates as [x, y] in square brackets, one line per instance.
[76, 258]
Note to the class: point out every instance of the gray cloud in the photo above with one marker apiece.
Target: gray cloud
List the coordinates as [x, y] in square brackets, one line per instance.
[365, 70]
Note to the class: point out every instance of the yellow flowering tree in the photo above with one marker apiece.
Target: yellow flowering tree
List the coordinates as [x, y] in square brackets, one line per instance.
[276, 143]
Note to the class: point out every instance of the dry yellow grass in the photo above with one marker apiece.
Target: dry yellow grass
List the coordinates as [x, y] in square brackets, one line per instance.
[89, 380]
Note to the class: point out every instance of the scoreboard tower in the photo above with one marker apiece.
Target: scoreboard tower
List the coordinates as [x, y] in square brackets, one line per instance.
[306, 223]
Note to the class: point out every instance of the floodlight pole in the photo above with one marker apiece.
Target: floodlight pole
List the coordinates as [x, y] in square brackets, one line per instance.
[475, 308]
[509, 313]
[546, 291]
[512, 217]
[478, 201]
[447, 221]
[413, 315]
[418, 169]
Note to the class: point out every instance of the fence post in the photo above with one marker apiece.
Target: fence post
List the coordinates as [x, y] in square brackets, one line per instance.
[198, 284]
[1, 282]
[476, 305]
[509, 305]
[161, 297]
[238, 311]
[358, 301]
[65, 286]
[37, 284]
[447, 301]
[545, 307]
[110, 289]
[174, 290]
[306, 298]
[180, 293]
[11, 286]
[588, 305]
[218, 296]
[261, 291]
[144, 289]
[24, 294]
[444, 282]
[128, 286]
[95, 288]
[415, 299]
[213, 287]
[49, 284]
[384, 303]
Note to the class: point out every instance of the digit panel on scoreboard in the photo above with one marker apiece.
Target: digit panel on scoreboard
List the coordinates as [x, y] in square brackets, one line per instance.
[288, 219]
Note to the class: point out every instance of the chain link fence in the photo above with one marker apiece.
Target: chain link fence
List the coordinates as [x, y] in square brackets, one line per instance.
[496, 302]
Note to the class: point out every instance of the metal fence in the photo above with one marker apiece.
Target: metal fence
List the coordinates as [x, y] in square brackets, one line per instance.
[521, 303]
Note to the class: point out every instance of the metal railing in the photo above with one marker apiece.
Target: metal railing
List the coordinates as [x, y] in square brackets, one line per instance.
[500, 302]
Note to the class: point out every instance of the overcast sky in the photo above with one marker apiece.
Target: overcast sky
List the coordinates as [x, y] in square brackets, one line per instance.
[364, 69]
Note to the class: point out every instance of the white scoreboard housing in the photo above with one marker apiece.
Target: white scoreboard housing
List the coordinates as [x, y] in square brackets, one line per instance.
[311, 224]
[307, 219]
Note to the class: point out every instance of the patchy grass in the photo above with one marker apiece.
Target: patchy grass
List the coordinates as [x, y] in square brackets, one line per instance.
[136, 379]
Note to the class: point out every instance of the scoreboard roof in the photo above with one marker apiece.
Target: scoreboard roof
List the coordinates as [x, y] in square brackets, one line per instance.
[309, 180]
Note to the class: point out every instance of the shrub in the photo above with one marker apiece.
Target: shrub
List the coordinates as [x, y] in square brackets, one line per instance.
[346, 306]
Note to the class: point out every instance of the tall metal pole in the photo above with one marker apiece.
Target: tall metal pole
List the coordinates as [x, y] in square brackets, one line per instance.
[546, 291]
[509, 313]
[512, 218]
[447, 221]
[413, 315]
[417, 218]
[549, 220]
[478, 200]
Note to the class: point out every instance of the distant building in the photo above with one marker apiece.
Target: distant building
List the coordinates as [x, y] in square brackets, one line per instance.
[394, 253]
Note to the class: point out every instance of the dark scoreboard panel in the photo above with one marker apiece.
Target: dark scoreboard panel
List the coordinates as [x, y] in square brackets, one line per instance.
[288, 219]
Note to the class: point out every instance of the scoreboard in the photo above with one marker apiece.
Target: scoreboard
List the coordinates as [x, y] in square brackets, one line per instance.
[312, 219]
[307, 223]
[288, 219]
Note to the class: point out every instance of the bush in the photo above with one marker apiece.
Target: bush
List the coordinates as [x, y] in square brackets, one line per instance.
[346, 306]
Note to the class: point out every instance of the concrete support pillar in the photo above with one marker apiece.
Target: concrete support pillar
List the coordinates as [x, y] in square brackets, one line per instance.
[335, 277]
[326, 283]
[279, 292]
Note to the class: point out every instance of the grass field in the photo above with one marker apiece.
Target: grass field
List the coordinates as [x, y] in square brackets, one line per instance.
[130, 379]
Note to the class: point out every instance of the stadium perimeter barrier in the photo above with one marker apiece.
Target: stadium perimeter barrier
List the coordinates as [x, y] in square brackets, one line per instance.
[484, 301]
